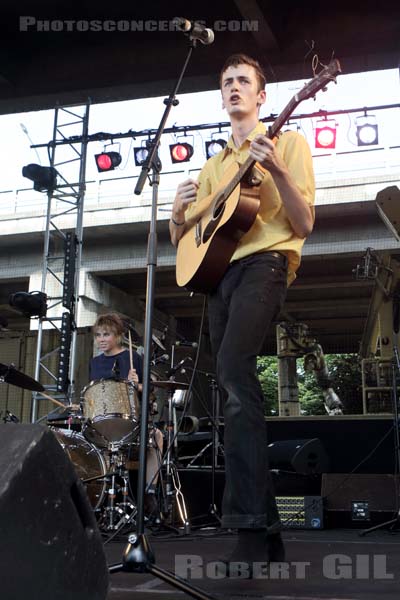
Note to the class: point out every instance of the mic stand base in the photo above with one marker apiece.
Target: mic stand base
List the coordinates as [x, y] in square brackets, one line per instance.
[139, 558]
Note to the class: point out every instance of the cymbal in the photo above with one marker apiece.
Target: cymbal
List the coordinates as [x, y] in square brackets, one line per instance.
[157, 342]
[170, 385]
[19, 379]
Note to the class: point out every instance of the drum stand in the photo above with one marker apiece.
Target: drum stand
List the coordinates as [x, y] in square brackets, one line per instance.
[172, 481]
[126, 509]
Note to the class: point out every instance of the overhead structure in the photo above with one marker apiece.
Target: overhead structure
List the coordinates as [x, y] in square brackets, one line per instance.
[62, 53]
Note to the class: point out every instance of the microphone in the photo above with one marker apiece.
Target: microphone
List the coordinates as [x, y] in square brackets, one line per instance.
[180, 364]
[160, 359]
[116, 369]
[195, 30]
[186, 344]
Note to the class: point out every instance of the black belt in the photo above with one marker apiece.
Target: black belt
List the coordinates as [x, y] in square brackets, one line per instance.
[282, 258]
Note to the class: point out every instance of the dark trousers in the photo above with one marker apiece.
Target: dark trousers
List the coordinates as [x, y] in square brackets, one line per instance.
[241, 311]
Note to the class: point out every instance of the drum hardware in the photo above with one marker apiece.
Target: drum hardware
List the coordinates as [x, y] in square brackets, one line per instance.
[170, 385]
[189, 425]
[116, 514]
[172, 481]
[180, 500]
[9, 417]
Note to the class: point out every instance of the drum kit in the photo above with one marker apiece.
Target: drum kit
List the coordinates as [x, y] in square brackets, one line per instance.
[100, 436]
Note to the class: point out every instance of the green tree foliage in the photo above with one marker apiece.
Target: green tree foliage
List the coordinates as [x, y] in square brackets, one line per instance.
[345, 374]
[267, 370]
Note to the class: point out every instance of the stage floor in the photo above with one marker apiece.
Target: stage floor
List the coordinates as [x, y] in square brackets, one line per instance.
[327, 564]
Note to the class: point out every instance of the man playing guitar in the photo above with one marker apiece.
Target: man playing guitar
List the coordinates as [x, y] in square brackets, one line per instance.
[243, 305]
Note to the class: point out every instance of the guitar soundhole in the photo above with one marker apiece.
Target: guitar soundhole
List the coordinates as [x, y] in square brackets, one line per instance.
[218, 210]
[212, 225]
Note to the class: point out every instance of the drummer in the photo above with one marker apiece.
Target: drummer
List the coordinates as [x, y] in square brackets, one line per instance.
[114, 363]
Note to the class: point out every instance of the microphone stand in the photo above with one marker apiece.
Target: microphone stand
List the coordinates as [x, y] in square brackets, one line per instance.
[138, 556]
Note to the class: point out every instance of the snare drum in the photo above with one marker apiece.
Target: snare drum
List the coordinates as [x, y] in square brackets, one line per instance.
[87, 460]
[111, 410]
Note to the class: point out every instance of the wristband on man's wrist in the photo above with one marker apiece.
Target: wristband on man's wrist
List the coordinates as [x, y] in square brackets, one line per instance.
[176, 222]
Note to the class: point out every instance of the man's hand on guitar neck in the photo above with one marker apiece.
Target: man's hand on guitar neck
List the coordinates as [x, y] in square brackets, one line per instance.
[262, 149]
[185, 194]
[301, 218]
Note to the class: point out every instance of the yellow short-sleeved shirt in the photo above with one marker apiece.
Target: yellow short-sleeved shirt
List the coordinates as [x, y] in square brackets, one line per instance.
[271, 229]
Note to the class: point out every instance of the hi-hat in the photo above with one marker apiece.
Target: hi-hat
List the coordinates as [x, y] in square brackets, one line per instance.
[9, 374]
[170, 385]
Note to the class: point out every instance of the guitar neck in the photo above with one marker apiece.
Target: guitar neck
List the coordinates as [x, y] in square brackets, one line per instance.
[273, 130]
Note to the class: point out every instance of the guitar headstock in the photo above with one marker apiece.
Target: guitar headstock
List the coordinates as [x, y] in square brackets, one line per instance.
[309, 90]
[319, 82]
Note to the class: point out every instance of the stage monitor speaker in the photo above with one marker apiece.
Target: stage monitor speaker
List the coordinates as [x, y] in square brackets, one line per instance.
[50, 546]
[301, 456]
[340, 490]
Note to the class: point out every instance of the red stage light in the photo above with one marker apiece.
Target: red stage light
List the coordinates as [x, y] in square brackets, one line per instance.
[181, 152]
[107, 161]
[325, 134]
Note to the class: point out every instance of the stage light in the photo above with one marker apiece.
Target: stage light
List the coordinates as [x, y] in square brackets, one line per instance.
[107, 161]
[44, 178]
[367, 130]
[181, 152]
[325, 134]
[140, 155]
[214, 146]
[30, 304]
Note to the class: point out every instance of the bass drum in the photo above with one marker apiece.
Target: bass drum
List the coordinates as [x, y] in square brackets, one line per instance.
[87, 460]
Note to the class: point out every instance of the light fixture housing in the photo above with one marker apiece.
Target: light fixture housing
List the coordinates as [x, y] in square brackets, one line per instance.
[107, 161]
[44, 178]
[181, 152]
[30, 304]
[214, 146]
[367, 130]
[325, 134]
[140, 154]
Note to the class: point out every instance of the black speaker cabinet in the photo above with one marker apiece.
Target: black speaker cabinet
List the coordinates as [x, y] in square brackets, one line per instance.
[50, 547]
[300, 456]
[378, 490]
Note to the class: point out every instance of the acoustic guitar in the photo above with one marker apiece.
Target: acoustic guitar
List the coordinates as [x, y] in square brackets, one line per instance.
[216, 223]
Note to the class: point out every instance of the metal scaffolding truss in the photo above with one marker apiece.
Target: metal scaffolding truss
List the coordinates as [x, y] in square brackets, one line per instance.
[62, 254]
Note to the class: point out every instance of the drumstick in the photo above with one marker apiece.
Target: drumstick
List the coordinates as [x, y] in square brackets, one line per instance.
[130, 349]
[53, 400]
